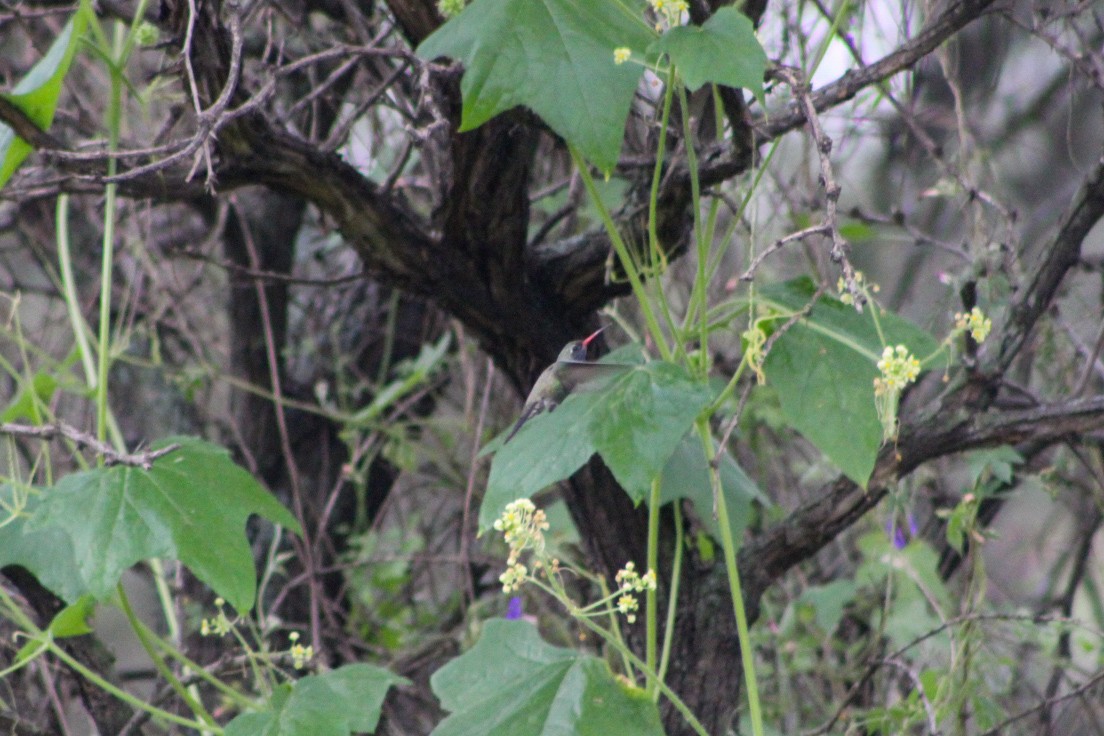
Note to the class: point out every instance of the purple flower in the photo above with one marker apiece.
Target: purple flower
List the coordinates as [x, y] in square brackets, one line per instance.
[897, 534]
[513, 610]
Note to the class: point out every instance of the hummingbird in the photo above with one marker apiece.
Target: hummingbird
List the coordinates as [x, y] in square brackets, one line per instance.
[559, 379]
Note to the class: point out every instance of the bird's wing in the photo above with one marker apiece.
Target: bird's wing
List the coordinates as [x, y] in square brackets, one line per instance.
[586, 376]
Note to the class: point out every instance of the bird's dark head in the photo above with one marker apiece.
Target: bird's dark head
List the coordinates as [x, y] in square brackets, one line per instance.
[576, 351]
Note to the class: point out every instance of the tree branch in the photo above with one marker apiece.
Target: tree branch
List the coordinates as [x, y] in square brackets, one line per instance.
[952, 20]
[842, 502]
[26, 128]
[1062, 255]
[110, 455]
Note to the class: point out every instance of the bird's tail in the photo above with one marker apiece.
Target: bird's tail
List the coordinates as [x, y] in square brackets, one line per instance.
[517, 425]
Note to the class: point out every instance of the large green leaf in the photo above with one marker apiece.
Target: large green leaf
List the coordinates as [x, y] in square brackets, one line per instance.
[45, 552]
[823, 369]
[723, 51]
[337, 703]
[640, 419]
[686, 475]
[37, 93]
[191, 506]
[513, 684]
[634, 421]
[549, 448]
[553, 56]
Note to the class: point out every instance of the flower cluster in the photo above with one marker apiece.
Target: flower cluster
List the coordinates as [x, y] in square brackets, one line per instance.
[668, 12]
[845, 294]
[220, 625]
[627, 606]
[522, 525]
[621, 55]
[976, 323]
[630, 582]
[300, 654]
[898, 367]
[513, 577]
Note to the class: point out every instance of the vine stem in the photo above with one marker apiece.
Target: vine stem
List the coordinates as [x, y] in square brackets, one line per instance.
[103, 347]
[48, 644]
[624, 255]
[650, 596]
[124, 696]
[672, 597]
[670, 694]
[159, 662]
[735, 590]
[69, 288]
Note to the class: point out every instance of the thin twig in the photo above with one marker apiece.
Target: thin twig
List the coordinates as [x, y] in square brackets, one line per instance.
[209, 121]
[918, 686]
[469, 492]
[793, 320]
[822, 229]
[954, 17]
[110, 455]
[1049, 703]
[840, 249]
[272, 276]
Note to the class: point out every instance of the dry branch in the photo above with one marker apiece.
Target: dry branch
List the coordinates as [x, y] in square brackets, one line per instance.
[85, 440]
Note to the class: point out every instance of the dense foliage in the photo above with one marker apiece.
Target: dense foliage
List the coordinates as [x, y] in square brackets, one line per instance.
[274, 278]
